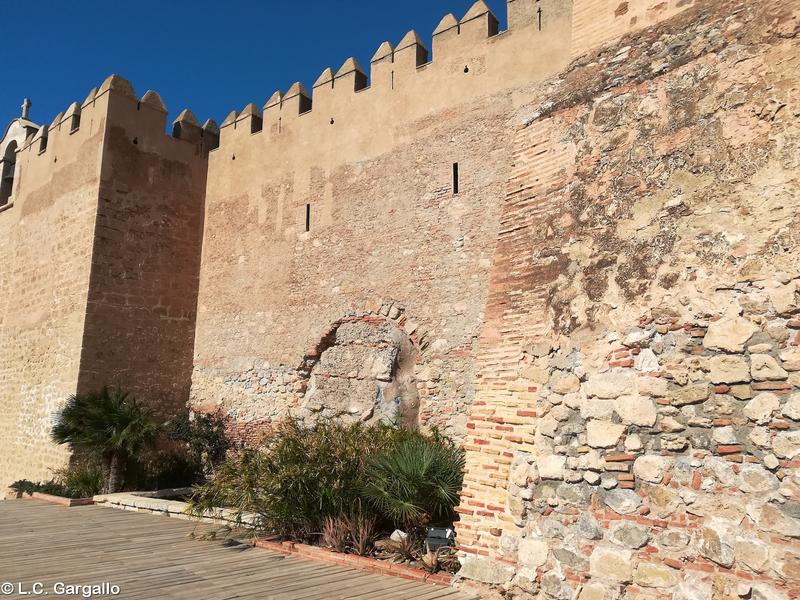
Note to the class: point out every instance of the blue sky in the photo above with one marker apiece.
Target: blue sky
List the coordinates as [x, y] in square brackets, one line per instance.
[209, 56]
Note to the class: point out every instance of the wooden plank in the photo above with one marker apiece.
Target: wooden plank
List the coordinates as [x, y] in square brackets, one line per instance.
[151, 556]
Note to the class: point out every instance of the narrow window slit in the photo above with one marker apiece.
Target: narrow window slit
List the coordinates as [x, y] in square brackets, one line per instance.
[308, 218]
[455, 178]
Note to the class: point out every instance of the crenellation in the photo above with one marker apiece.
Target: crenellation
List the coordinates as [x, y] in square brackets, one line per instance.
[411, 45]
[56, 120]
[283, 109]
[118, 84]
[187, 127]
[478, 23]
[382, 67]
[72, 117]
[472, 46]
[39, 141]
[230, 119]
[444, 36]
[296, 101]
[274, 100]
[250, 119]
[350, 77]
[322, 90]
[90, 97]
[210, 133]
[81, 122]
[384, 52]
[153, 100]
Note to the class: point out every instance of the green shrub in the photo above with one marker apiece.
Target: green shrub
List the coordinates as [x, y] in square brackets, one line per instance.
[171, 468]
[300, 476]
[306, 481]
[81, 480]
[109, 425]
[24, 486]
[75, 481]
[203, 436]
[417, 481]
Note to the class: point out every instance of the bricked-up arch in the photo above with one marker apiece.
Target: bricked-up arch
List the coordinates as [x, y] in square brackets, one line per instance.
[364, 369]
[7, 171]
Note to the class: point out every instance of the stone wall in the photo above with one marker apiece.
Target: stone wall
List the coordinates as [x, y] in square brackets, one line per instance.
[381, 243]
[101, 247]
[142, 296]
[635, 429]
[46, 247]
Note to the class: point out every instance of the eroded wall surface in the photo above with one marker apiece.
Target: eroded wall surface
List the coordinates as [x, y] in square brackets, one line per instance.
[635, 427]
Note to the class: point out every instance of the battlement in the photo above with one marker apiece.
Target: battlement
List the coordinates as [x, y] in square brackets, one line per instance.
[468, 57]
[113, 104]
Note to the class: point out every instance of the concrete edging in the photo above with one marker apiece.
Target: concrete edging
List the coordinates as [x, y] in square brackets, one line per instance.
[155, 503]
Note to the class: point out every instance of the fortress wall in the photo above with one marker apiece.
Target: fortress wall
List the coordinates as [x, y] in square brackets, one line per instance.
[387, 235]
[46, 245]
[635, 430]
[387, 232]
[341, 154]
[102, 247]
[142, 297]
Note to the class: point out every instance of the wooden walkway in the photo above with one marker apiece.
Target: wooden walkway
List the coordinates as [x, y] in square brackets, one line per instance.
[150, 557]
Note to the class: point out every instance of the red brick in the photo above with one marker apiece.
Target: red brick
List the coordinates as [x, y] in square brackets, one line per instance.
[620, 457]
[726, 449]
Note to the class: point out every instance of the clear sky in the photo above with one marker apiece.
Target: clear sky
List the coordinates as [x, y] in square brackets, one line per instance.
[208, 55]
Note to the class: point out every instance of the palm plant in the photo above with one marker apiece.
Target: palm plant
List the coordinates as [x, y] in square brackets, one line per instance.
[109, 424]
[417, 481]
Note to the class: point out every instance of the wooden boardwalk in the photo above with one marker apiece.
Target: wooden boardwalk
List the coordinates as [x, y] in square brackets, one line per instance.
[151, 557]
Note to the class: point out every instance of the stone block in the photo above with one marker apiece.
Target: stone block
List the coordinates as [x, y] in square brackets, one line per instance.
[533, 553]
[603, 434]
[623, 502]
[610, 385]
[636, 410]
[729, 333]
[656, 575]
[690, 394]
[485, 570]
[728, 369]
[611, 563]
[786, 444]
[551, 466]
[629, 535]
[761, 408]
[765, 368]
[791, 409]
[651, 468]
